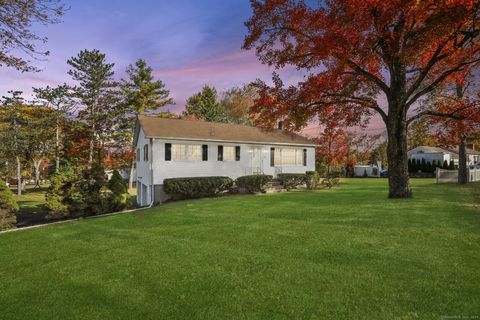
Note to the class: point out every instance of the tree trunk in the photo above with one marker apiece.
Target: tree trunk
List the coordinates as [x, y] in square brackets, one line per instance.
[19, 176]
[462, 162]
[130, 176]
[57, 146]
[92, 145]
[398, 179]
[37, 163]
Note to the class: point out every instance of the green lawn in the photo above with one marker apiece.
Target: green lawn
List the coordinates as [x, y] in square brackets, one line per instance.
[348, 253]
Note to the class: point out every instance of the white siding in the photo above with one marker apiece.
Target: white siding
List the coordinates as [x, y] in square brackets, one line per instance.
[174, 169]
[144, 173]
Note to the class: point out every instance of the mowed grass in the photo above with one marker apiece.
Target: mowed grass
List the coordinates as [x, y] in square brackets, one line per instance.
[348, 253]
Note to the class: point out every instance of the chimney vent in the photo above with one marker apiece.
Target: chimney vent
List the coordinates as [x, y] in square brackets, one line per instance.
[280, 125]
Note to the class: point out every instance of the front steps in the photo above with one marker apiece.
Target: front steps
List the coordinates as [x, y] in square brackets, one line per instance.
[274, 186]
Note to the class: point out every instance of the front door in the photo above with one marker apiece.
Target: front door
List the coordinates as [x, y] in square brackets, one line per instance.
[257, 162]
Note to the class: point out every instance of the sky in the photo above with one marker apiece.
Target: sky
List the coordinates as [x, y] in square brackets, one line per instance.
[188, 43]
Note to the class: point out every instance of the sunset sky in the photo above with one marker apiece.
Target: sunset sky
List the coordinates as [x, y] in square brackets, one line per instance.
[188, 43]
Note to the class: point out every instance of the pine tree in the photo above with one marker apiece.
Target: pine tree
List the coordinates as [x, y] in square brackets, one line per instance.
[452, 165]
[141, 94]
[445, 165]
[95, 91]
[205, 106]
[423, 166]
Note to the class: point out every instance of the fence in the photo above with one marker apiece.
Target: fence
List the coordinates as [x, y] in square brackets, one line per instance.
[448, 176]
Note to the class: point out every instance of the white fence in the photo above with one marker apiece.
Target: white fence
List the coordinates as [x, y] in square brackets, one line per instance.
[448, 176]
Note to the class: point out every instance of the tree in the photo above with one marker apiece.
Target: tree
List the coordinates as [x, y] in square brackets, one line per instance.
[119, 190]
[204, 105]
[237, 102]
[13, 132]
[142, 94]
[25, 133]
[16, 34]
[355, 51]
[419, 134]
[96, 93]
[332, 148]
[60, 100]
[8, 207]
[463, 123]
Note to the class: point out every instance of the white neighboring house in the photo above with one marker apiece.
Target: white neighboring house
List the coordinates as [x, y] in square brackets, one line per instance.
[439, 155]
[172, 148]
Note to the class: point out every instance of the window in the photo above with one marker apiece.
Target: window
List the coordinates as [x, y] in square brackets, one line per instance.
[228, 153]
[194, 152]
[178, 152]
[289, 157]
[145, 152]
[138, 154]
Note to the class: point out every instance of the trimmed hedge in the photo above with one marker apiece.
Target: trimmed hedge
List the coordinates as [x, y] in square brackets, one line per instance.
[253, 183]
[197, 187]
[292, 180]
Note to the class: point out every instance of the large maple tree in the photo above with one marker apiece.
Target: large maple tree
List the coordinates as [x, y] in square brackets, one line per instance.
[364, 57]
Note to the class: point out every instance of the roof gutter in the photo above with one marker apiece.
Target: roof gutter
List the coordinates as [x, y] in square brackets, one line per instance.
[235, 141]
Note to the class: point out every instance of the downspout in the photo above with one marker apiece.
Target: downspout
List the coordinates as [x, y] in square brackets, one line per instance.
[152, 189]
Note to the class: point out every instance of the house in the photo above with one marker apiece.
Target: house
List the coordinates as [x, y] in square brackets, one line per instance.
[173, 148]
[439, 155]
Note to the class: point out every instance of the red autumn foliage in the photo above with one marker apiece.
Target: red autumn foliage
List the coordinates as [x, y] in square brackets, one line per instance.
[354, 51]
[332, 147]
[463, 123]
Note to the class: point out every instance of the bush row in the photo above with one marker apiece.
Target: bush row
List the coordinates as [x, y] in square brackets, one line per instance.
[197, 187]
[292, 180]
[253, 183]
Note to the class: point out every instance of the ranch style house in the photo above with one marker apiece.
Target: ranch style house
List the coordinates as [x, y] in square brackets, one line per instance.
[173, 148]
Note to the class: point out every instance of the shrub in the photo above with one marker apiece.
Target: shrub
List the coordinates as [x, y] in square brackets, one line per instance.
[331, 181]
[78, 194]
[92, 200]
[197, 187]
[291, 180]
[311, 178]
[119, 189]
[253, 183]
[61, 183]
[375, 171]
[8, 207]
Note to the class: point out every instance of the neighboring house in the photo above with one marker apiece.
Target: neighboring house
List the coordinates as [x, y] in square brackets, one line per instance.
[172, 148]
[439, 155]
[371, 170]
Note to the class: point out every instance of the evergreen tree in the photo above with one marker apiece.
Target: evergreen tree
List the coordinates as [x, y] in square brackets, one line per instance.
[8, 207]
[205, 106]
[410, 166]
[141, 94]
[96, 92]
[445, 165]
[119, 190]
[423, 166]
[452, 165]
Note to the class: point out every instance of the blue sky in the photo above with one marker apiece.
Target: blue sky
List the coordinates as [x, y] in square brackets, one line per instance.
[188, 43]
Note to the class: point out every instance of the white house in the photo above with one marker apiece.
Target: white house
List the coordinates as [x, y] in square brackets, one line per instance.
[439, 155]
[172, 148]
